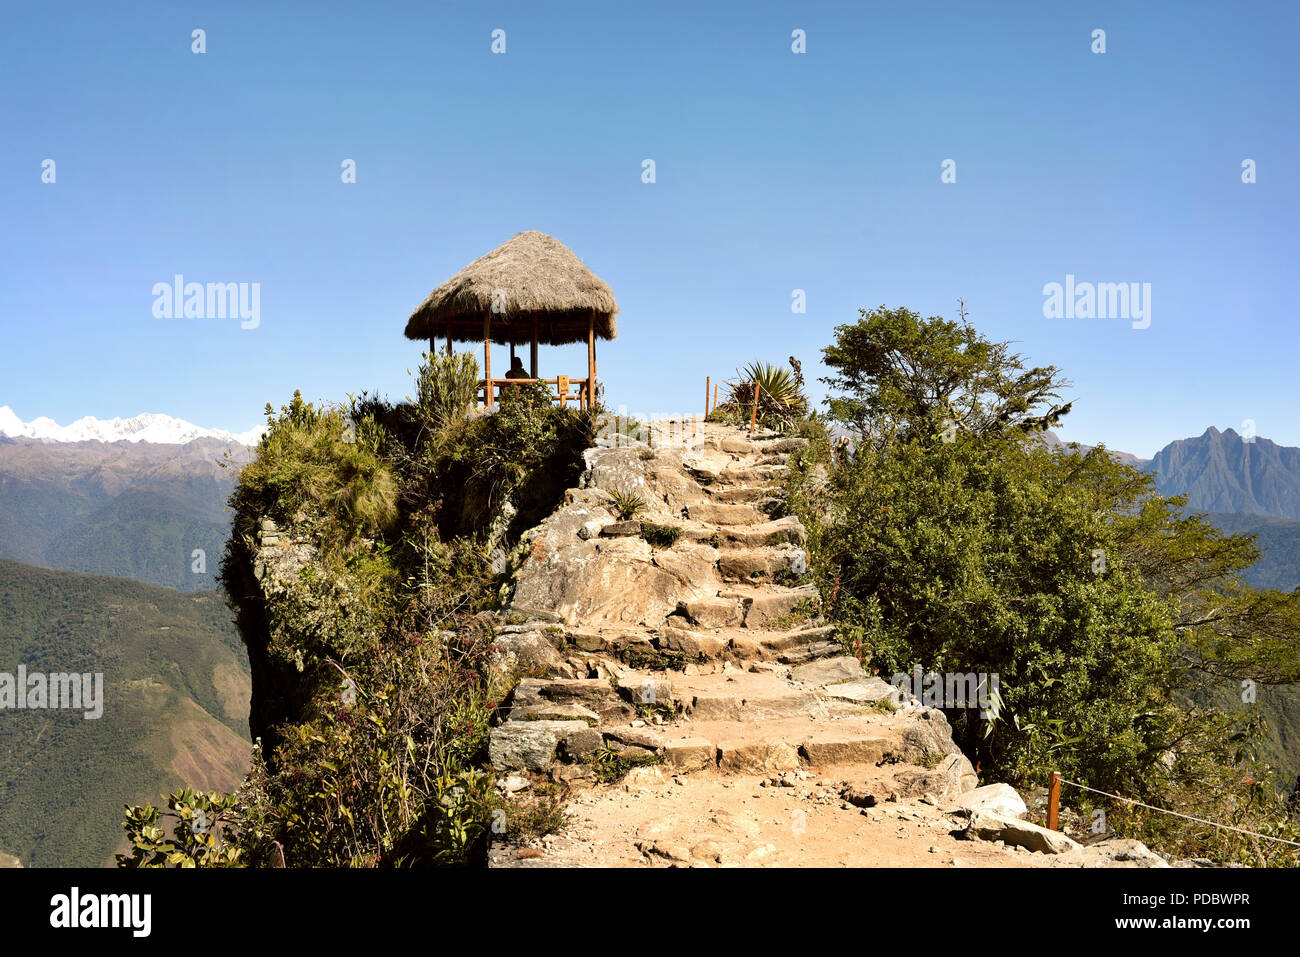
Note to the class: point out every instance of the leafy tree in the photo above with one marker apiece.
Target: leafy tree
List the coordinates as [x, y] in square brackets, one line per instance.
[950, 537]
[900, 375]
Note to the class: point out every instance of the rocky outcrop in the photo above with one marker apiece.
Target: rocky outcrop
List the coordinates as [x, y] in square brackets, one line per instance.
[266, 576]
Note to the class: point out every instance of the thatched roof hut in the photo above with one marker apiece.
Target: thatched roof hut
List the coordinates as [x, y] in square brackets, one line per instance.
[532, 278]
[532, 289]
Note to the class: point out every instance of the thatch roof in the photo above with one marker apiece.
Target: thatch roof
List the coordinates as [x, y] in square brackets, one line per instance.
[542, 279]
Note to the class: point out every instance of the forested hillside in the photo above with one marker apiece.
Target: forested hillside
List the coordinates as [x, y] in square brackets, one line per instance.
[175, 707]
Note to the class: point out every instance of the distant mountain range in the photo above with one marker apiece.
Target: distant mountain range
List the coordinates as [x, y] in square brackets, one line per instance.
[146, 427]
[133, 510]
[1244, 487]
[1223, 472]
[1128, 458]
[138, 502]
[174, 708]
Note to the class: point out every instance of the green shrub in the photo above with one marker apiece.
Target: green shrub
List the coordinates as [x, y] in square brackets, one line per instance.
[446, 388]
[660, 536]
[610, 765]
[374, 681]
[319, 462]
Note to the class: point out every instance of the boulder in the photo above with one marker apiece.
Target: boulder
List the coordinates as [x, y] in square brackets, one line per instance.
[1120, 852]
[599, 581]
[1000, 799]
[951, 776]
[987, 826]
[829, 671]
[862, 691]
[531, 653]
[621, 529]
[529, 745]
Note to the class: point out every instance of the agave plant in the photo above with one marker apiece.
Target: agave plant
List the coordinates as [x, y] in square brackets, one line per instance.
[780, 396]
[627, 504]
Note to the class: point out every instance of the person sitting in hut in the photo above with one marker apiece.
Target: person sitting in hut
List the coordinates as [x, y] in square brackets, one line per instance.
[517, 370]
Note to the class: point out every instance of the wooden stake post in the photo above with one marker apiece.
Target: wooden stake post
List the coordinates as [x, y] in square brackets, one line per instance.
[1054, 801]
[753, 419]
[706, 396]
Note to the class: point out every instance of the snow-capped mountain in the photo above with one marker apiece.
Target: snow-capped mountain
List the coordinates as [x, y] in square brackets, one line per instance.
[146, 427]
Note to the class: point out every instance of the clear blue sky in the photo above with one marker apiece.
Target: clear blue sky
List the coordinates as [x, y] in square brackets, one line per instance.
[775, 171]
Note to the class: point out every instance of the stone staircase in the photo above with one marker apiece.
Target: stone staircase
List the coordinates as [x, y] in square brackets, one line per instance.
[691, 670]
[705, 656]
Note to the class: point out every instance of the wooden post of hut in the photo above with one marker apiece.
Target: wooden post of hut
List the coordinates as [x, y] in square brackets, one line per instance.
[591, 362]
[532, 354]
[551, 298]
[487, 361]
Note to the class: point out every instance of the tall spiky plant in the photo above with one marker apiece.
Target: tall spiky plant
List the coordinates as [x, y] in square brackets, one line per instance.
[446, 388]
[780, 398]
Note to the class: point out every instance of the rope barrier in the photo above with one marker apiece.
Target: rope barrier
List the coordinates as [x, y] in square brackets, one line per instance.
[1199, 820]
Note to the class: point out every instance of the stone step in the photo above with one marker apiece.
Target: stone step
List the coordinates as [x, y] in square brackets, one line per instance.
[748, 494]
[772, 532]
[756, 565]
[741, 723]
[596, 694]
[695, 646]
[721, 513]
[746, 605]
[742, 696]
[714, 612]
[535, 745]
[789, 743]
[810, 652]
[751, 474]
[771, 604]
[797, 646]
[781, 443]
[568, 711]
[734, 445]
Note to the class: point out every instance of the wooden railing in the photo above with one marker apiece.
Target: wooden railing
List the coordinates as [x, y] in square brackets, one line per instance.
[489, 388]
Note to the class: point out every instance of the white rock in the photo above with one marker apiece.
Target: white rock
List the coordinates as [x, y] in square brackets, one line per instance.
[1000, 799]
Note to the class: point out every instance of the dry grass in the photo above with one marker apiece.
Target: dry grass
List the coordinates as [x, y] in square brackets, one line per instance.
[542, 281]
